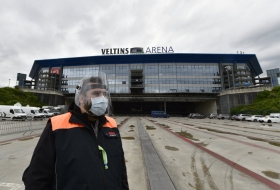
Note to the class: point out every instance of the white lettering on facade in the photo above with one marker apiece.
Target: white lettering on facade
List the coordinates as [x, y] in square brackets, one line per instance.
[114, 51]
[159, 50]
[155, 50]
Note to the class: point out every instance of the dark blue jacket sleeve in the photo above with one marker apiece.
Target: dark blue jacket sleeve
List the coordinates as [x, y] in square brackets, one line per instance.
[124, 182]
[124, 177]
[40, 174]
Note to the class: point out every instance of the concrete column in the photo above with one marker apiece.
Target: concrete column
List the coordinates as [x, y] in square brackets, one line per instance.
[60, 78]
[221, 75]
[229, 103]
[228, 79]
[233, 80]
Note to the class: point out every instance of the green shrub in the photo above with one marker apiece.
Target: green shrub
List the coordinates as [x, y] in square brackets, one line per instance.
[10, 96]
[265, 103]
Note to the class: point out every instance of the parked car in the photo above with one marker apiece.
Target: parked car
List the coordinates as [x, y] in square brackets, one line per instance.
[253, 118]
[213, 115]
[159, 114]
[223, 116]
[232, 117]
[190, 115]
[271, 119]
[274, 114]
[261, 119]
[197, 116]
[242, 117]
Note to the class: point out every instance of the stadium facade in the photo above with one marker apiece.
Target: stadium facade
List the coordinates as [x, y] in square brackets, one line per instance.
[178, 83]
[274, 74]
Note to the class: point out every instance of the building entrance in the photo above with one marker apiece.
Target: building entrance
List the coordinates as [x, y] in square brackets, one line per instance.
[145, 108]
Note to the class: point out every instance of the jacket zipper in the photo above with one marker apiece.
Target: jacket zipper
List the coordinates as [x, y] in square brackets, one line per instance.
[100, 156]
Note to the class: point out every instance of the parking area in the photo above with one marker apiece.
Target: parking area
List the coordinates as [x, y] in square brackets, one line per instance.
[251, 145]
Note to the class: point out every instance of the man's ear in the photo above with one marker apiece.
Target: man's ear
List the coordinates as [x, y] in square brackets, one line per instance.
[81, 99]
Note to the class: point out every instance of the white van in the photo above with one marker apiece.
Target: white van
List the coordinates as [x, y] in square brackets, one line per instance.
[32, 112]
[12, 113]
[47, 112]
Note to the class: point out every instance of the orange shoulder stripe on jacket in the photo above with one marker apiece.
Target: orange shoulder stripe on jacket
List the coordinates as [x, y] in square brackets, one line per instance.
[111, 122]
[62, 122]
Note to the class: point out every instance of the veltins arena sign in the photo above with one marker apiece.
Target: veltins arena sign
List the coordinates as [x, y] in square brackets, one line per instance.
[136, 50]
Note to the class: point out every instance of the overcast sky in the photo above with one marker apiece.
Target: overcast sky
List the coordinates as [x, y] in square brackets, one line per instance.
[35, 29]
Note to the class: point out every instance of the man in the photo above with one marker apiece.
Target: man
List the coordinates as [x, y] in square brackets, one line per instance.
[82, 149]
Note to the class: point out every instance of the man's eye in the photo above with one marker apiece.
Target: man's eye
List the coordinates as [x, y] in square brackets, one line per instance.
[96, 93]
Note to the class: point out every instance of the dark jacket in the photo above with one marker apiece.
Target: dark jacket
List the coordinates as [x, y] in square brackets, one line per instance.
[67, 157]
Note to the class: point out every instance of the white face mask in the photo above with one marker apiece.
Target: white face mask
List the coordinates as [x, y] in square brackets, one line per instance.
[99, 105]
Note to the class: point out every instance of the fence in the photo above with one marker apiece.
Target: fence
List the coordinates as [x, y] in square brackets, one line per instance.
[13, 127]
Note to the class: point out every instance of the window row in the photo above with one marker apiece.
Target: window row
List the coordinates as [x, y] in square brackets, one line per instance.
[183, 90]
[163, 89]
[183, 81]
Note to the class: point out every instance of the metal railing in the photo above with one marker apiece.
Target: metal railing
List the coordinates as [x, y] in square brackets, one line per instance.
[13, 127]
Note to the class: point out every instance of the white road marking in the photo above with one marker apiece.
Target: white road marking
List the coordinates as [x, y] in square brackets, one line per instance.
[13, 186]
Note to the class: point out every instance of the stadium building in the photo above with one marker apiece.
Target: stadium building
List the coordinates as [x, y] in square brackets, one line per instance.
[178, 83]
[274, 74]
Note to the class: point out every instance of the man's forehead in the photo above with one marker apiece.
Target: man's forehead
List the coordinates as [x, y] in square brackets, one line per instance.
[97, 90]
[90, 86]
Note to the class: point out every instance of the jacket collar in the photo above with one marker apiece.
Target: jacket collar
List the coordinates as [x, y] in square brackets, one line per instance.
[82, 118]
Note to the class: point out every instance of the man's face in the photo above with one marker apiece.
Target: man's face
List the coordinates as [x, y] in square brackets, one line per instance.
[85, 99]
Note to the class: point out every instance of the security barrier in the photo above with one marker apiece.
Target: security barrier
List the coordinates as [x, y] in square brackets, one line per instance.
[13, 127]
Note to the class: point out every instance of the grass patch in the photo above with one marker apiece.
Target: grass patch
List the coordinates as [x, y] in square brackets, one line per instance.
[131, 126]
[130, 130]
[165, 126]
[25, 139]
[5, 143]
[218, 131]
[186, 135]
[274, 143]
[150, 127]
[256, 139]
[171, 148]
[271, 174]
[202, 144]
[230, 125]
[128, 138]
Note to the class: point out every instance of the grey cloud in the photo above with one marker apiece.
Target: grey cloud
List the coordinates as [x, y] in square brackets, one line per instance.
[261, 37]
[33, 29]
